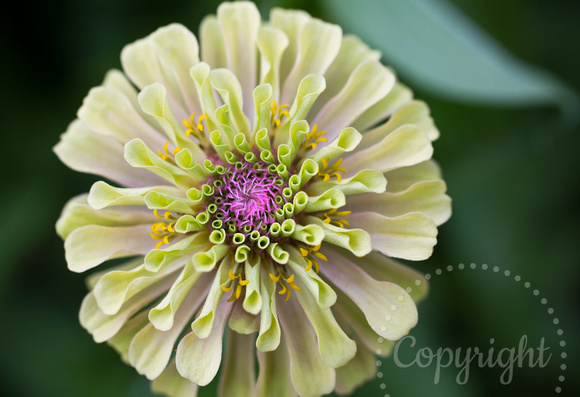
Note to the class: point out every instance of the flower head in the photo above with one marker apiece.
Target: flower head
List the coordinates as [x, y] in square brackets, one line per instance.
[269, 213]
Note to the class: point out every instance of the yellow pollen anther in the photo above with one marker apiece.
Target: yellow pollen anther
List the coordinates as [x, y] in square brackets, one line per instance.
[166, 154]
[199, 120]
[310, 260]
[163, 231]
[319, 255]
[331, 171]
[277, 112]
[236, 280]
[274, 107]
[158, 227]
[336, 221]
[195, 128]
[312, 139]
[283, 290]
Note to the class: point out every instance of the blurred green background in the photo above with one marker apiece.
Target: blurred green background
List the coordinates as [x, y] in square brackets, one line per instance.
[509, 150]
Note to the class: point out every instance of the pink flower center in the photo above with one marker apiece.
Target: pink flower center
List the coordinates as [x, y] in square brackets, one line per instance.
[250, 194]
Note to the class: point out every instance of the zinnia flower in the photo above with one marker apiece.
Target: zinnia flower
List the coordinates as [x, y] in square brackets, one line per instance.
[267, 217]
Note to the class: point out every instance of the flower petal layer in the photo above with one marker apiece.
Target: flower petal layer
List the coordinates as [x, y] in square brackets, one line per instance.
[411, 236]
[199, 359]
[304, 357]
[389, 310]
[91, 245]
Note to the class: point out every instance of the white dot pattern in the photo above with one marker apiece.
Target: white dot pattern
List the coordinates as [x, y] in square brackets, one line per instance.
[517, 278]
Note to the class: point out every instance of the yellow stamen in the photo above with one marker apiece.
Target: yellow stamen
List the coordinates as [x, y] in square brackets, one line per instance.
[312, 139]
[158, 227]
[274, 107]
[309, 265]
[319, 255]
[200, 118]
[316, 266]
[283, 290]
[310, 260]
[343, 213]
[278, 112]
[287, 295]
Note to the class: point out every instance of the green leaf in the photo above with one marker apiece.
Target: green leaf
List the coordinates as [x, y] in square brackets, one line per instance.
[437, 48]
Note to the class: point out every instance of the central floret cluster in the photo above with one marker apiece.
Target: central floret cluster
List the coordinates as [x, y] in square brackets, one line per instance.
[246, 197]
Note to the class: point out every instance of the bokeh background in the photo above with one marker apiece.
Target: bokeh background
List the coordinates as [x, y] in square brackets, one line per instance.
[500, 78]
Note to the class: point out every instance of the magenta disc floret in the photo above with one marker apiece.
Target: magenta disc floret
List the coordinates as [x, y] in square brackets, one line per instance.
[246, 197]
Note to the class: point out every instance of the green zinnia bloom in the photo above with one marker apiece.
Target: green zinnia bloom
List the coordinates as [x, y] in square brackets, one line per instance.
[260, 181]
